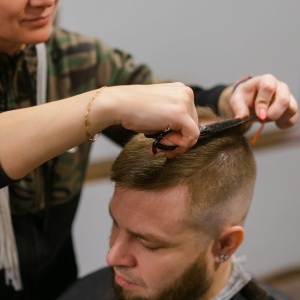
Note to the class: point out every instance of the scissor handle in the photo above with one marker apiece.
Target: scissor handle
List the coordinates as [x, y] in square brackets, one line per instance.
[157, 145]
[158, 137]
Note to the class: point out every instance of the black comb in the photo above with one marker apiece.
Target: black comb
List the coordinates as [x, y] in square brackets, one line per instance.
[213, 128]
[206, 131]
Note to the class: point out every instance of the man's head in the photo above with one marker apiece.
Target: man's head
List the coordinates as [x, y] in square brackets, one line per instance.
[25, 22]
[175, 219]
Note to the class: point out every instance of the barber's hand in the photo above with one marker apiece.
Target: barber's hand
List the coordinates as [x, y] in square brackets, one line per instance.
[269, 98]
[153, 108]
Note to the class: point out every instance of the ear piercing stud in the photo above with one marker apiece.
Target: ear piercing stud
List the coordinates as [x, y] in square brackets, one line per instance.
[223, 257]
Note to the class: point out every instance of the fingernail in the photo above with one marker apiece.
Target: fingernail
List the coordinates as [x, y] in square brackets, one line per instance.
[262, 114]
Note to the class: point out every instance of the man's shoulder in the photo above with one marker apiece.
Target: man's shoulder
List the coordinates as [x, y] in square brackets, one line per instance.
[256, 290]
[97, 285]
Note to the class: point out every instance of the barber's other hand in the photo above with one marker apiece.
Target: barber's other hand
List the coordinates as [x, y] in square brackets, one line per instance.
[153, 108]
[269, 98]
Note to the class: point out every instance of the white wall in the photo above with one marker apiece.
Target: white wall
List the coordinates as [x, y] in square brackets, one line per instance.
[205, 42]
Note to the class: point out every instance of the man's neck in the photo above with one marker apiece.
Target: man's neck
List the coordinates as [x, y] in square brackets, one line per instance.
[220, 280]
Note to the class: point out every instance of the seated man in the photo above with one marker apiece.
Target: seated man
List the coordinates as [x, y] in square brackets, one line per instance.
[177, 222]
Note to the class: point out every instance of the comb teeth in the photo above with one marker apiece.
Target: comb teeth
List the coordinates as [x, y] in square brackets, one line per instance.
[218, 126]
[212, 128]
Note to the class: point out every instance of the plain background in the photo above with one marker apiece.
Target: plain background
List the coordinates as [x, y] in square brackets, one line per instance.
[207, 43]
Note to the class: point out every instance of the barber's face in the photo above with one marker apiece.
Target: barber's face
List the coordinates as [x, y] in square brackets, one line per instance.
[25, 22]
[153, 252]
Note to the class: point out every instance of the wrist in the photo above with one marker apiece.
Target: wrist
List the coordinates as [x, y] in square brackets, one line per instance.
[240, 81]
[101, 112]
[224, 103]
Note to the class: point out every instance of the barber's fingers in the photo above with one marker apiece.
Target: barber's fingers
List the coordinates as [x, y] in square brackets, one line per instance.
[182, 137]
[269, 98]
[282, 107]
[242, 99]
[265, 89]
[182, 142]
[290, 116]
[187, 132]
[253, 95]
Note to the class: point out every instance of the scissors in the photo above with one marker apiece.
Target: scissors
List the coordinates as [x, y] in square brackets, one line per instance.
[206, 131]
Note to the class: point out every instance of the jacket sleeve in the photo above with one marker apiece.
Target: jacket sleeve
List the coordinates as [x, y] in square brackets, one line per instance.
[208, 97]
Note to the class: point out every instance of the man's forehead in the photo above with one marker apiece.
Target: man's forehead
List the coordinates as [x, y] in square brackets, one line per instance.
[165, 209]
[157, 200]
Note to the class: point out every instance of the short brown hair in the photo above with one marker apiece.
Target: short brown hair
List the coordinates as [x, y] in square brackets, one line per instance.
[215, 170]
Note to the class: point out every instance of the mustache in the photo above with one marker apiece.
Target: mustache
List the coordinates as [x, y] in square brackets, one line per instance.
[123, 273]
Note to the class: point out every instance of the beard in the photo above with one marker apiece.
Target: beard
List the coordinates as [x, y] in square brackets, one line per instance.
[191, 285]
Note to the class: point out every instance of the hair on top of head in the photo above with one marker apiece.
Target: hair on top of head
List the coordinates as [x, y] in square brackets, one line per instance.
[135, 168]
[214, 170]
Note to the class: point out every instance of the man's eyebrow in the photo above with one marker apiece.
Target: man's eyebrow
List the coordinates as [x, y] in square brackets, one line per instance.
[150, 237]
[144, 236]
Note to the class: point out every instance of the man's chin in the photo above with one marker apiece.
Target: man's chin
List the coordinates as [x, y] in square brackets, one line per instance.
[123, 294]
[193, 283]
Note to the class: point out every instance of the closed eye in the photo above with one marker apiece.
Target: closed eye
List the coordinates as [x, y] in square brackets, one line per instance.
[147, 247]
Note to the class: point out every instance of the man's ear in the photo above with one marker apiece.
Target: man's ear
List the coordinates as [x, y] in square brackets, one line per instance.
[228, 242]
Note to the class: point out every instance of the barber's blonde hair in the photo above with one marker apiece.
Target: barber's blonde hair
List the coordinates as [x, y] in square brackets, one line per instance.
[215, 171]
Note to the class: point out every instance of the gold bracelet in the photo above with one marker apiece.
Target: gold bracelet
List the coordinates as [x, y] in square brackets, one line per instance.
[86, 119]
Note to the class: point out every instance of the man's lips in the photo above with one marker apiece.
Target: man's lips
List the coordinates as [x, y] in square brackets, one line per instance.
[125, 283]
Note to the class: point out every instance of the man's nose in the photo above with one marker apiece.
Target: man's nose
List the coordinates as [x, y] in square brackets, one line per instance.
[121, 253]
[42, 3]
